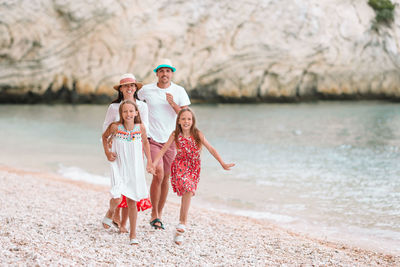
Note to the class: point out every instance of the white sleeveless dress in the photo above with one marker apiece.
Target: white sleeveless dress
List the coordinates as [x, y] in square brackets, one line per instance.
[128, 171]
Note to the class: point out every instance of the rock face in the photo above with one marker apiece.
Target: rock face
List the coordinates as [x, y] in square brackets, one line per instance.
[223, 50]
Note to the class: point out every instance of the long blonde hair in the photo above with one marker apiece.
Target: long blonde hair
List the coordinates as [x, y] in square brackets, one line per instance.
[137, 118]
[193, 129]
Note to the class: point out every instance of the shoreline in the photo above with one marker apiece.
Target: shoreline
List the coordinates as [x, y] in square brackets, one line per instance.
[53, 220]
[72, 98]
[325, 235]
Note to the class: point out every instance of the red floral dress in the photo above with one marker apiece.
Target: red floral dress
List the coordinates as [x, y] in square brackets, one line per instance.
[185, 169]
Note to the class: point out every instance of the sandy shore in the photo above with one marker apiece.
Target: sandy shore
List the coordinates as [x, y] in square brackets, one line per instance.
[47, 220]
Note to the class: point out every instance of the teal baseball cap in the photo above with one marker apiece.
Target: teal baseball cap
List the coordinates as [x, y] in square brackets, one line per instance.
[165, 63]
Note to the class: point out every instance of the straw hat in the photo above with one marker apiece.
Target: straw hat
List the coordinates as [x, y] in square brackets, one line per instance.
[164, 63]
[128, 78]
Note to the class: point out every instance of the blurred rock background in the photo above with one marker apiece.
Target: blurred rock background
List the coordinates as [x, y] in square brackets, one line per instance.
[224, 51]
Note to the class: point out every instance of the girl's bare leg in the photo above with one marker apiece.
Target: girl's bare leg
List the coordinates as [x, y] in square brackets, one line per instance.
[124, 219]
[180, 229]
[132, 217]
[185, 204]
[114, 202]
[116, 218]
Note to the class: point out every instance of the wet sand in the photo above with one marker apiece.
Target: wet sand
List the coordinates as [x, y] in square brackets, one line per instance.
[48, 220]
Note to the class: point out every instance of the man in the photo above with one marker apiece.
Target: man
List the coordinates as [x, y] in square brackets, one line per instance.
[164, 100]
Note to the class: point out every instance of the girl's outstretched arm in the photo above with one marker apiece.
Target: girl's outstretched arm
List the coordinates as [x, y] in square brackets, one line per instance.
[214, 152]
[164, 149]
[146, 149]
[110, 131]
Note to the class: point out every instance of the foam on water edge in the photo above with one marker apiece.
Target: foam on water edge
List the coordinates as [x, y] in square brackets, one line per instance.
[77, 174]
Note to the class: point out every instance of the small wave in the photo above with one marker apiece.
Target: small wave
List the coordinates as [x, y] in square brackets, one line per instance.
[77, 174]
[279, 218]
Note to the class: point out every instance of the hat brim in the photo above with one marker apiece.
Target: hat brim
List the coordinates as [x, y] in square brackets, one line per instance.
[164, 66]
[138, 85]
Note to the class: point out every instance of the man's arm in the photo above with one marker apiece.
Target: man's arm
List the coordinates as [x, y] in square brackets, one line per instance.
[172, 103]
[182, 99]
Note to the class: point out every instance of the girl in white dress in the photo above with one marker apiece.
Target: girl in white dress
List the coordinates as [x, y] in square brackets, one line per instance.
[127, 167]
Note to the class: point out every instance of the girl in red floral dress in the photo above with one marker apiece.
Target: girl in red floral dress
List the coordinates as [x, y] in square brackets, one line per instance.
[185, 169]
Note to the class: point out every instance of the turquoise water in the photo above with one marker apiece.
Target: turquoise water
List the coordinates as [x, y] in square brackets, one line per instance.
[329, 169]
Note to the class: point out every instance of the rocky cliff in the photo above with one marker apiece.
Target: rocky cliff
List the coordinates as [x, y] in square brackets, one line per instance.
[246, 50]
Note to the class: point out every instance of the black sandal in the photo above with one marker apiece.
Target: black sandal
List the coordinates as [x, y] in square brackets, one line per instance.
[156, 220]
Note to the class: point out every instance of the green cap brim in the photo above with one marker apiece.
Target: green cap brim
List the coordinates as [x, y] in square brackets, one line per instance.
[164, 66]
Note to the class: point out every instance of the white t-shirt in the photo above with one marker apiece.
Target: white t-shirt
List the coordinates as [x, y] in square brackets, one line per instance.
[112, 114]
[162, 116]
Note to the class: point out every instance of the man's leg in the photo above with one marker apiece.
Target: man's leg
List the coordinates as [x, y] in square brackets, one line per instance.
[155, 187]
[155, 192]
[163, 194]
[168, 158]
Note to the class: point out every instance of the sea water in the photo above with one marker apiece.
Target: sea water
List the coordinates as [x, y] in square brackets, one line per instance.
[326, 169]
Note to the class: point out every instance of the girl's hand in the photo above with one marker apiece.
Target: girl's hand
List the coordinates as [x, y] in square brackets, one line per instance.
[111, 156]
[154, 168]
[227, 166]
[110, 141]
[150, 169]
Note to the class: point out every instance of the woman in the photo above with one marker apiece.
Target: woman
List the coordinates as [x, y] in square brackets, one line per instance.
[127, 90]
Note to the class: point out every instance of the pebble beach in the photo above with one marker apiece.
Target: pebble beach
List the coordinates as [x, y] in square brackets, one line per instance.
[46, 220]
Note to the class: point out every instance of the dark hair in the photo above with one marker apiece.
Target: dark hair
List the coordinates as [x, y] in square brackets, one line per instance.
[121, 95]
[137, 117]
[193, 129]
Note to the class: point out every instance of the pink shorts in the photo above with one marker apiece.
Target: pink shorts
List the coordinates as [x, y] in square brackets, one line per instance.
[168, 157]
